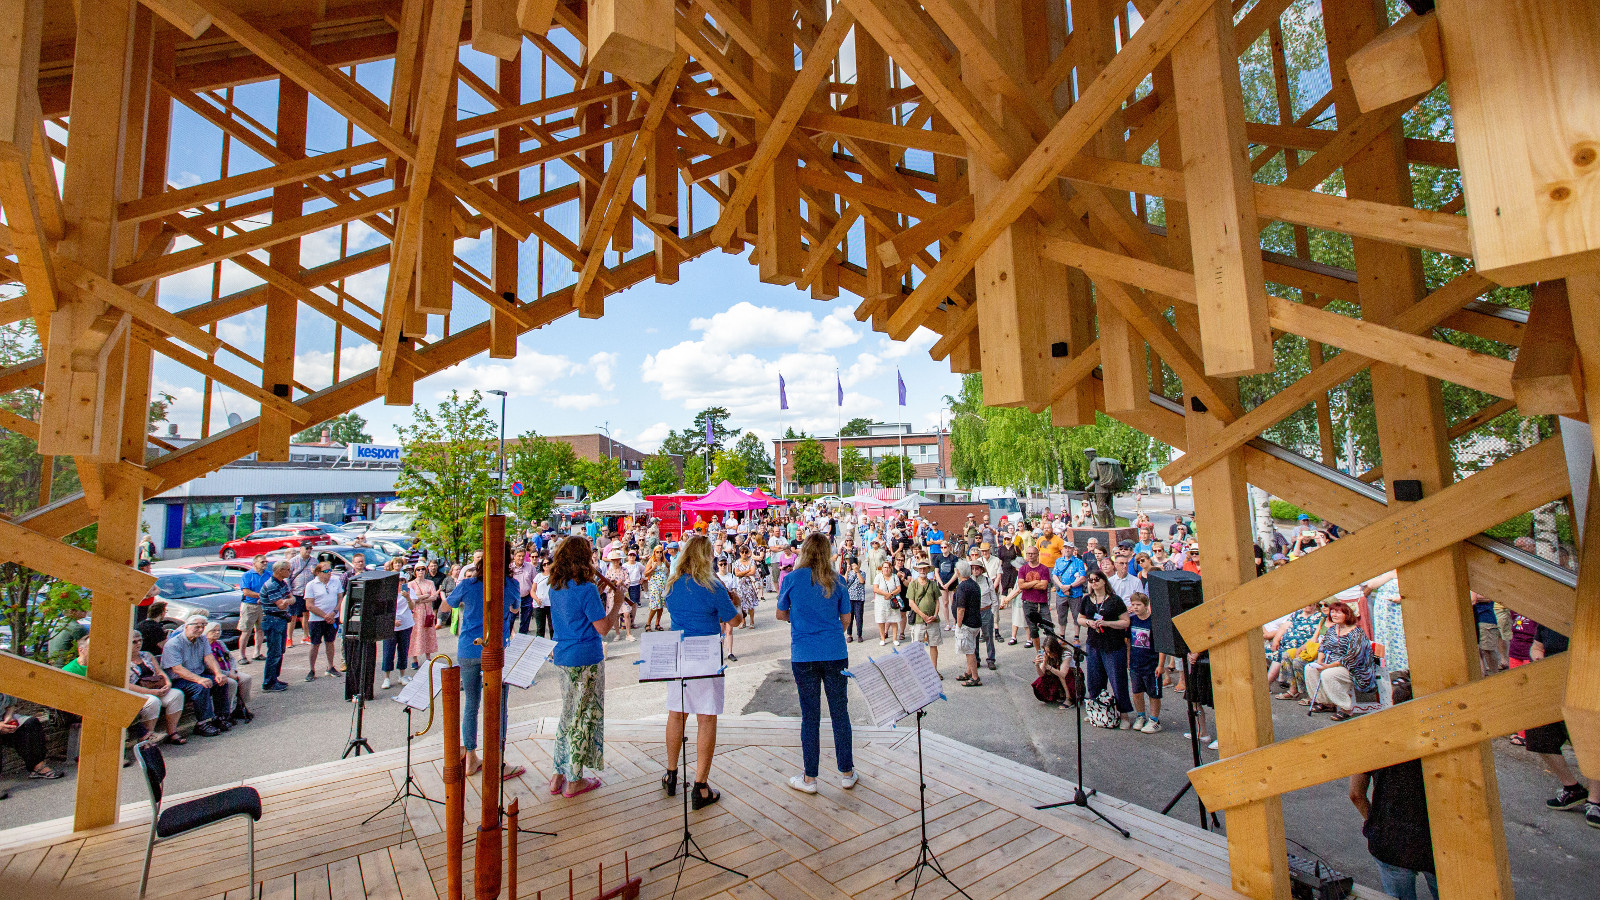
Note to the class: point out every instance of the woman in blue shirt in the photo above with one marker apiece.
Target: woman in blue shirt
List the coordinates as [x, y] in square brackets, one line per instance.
[468, 597]
[816, 605]
[581, 618]
[699, 604]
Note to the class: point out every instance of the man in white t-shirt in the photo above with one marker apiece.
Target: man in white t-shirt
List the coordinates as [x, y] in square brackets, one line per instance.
[324, 593]
[1123, 583]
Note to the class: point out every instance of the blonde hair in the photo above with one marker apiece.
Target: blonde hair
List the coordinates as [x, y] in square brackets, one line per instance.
[694, 561]
[816, 554]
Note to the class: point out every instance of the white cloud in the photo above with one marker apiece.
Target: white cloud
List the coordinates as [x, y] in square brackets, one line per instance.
[649, 439]
[745, 326]
[603, 366]
[581, 401]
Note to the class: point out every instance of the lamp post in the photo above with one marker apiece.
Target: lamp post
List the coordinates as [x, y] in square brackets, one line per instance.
[502, 396]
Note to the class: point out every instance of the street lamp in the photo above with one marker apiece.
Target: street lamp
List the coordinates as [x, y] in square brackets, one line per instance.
[502, 396]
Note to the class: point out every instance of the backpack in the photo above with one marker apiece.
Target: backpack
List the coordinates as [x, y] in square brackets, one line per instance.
[1101, 711]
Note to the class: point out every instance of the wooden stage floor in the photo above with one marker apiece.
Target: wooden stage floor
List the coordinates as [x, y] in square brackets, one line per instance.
[834, 844]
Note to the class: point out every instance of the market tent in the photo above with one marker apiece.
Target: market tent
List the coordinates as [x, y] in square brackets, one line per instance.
[622, 503]
[909, 503]
[725, 496]
[759, 494]
[864, 500]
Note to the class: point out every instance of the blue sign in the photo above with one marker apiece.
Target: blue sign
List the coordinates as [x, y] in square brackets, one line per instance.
[238, 505]
[516, 489]
[373, 453]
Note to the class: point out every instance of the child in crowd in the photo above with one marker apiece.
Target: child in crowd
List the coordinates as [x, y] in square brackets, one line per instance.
[1144, 665]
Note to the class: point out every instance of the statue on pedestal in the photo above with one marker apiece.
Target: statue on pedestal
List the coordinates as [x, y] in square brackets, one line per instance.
[1105, 479]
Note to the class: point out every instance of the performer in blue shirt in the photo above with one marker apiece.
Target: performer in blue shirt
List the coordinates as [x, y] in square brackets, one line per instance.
[699, 604]
[468, 597]
[816, 605]
[580, 617]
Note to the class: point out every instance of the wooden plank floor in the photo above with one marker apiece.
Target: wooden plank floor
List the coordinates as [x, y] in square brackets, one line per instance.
[835, 844]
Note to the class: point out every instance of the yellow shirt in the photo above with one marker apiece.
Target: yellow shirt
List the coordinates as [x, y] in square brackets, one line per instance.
[1051, 550]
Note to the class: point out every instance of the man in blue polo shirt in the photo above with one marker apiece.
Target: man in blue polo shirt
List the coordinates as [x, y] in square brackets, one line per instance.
[936, 544]
[1068, 576]
[250, 611]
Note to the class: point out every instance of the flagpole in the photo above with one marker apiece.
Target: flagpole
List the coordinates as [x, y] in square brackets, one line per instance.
[783, 404]
[838, 429]
[901, 432]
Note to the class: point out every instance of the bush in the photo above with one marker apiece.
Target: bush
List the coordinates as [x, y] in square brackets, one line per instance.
[1522, 526]
[1283, 509]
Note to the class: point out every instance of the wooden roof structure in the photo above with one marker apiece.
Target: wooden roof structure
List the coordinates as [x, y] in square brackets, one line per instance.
[1062, 190]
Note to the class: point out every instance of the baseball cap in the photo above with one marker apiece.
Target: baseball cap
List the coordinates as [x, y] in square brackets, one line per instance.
[1304, 517]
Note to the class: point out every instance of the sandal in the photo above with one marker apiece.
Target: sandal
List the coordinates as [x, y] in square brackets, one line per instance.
[1286, 695]
[1304, 701]
[1341, 716]
[1518, 740]
[669, 782]
[513, 772]
[975, 682]
[48, 774]
[703, 795]
[557, 782]
[587, 784]
[177, 739]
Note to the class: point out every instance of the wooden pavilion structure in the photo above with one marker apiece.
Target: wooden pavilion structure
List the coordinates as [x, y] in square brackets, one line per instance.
[1064, 191]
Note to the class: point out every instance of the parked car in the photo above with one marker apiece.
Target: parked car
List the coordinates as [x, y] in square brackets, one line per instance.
[337, 532]
[228, 571]
[339, 555]
[357, 526]
[189, 593]
[278, 537]
[397, 522]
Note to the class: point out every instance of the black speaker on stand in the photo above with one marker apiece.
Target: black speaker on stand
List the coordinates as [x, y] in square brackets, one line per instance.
[368, 619]
[1172, 594]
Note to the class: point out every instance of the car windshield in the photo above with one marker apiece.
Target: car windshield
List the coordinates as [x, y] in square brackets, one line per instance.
[396, 520]
[182, 586]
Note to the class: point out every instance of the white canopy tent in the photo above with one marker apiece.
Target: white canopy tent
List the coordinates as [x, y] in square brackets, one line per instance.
[909, 503]
[622, 503]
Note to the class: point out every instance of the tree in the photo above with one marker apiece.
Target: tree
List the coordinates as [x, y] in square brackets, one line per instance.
[857, 468]
[894, 470]
[857, 427]
[695, 437]
[449, 471]
[600, 478]
[694, 476]
[730, 467]
[160, 405]
[349, 428]
[753, 450]
[660, 475]
[810, 466]
[542, 466]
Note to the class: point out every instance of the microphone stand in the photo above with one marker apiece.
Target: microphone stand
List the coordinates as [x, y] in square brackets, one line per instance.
[1080, 797]
[688, 848]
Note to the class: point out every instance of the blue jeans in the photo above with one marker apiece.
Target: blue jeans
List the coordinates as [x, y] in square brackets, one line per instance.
[275, 631]
[1401, 883]
[526, 615]
[858, 616]
[204, 709]
[397, 646]
[472, 686]
[1112, 665]
[813, 678]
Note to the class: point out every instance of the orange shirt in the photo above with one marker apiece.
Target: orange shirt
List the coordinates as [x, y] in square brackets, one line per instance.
[1051, 550]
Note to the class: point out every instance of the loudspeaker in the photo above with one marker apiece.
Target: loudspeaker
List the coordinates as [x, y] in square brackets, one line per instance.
[369, 606]
[1171, 594]
[361, 666]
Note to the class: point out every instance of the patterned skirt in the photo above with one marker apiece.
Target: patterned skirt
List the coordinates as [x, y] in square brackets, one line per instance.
[749, 592]
[655, 590]
[580, 737]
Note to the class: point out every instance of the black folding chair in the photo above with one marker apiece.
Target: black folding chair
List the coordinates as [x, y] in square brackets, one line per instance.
[192, 815]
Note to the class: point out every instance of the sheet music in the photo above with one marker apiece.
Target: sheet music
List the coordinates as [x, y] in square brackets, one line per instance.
[699, 657]
[921, 668]
[524, 656]
[415, 694]
[883, 707]
[658, 653]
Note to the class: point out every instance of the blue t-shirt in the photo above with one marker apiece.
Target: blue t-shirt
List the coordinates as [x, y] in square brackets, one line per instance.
[592, 530]
[1067, 570]
[1484, 612]
[936, 541]
[815, 634]
[252, 581]
[1143, 547]
[697, 610]
[1141, 652]
[573, 611]
[468, 597]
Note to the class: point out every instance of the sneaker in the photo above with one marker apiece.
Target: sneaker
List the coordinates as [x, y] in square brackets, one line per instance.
[311, 676]
[882, 642]
[1138, 722]
[1591, 814]
[897, 642]
[405, 679]
[1572, 796]
[334, 673]
[1151, 726]
[849, 781]
[385, 686]
[1125, 724]
[799, 783]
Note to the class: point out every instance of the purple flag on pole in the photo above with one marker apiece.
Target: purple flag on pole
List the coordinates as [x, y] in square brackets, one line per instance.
[710, 435]
[902, 381]
[840, 385]
[783, 395]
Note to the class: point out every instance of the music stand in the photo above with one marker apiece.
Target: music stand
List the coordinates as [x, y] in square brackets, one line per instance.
[925, 857]
[689, 848]
[1080, 797]
[409, 787]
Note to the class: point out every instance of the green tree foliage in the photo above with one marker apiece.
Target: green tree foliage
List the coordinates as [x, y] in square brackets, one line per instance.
[449, 471]
[894, 470]
[1015, 448]
[692, 443]
[857, 468]
[600, 478]
[542, 466]
[810, 466]
[731, 467]
[753, 450]
[694, 476]
[349, 428]
[857, 427]
[660, 476]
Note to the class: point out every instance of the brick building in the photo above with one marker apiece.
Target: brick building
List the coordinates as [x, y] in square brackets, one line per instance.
[927, 451]
[595, 447]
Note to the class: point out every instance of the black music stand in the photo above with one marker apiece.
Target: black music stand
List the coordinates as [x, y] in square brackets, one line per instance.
[1080, 797]
[409, 787]
[925, 857]
[689, 848]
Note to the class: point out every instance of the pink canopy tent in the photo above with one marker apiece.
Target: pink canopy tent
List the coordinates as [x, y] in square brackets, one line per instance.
[725, 496]
[759, 494]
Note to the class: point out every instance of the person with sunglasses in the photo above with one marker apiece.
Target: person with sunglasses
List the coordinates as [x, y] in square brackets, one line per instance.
[1106, 616]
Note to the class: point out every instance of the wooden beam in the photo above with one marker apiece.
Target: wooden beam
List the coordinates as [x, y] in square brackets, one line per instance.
[70, 564]
[1546, 378]
[1452, 719]
[1457, 512]
[495, 30]
[1581, 704]
[1403, 62]
[49, 686]
[1236, 338]
[1154, 39]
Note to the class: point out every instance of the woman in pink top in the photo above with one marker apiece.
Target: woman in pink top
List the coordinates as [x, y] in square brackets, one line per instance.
[425, 633]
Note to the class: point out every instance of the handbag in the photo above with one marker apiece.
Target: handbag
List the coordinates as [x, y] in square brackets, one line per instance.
[1309, 650]
[1101, 712]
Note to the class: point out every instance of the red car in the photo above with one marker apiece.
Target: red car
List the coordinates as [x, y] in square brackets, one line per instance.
[278, 537]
